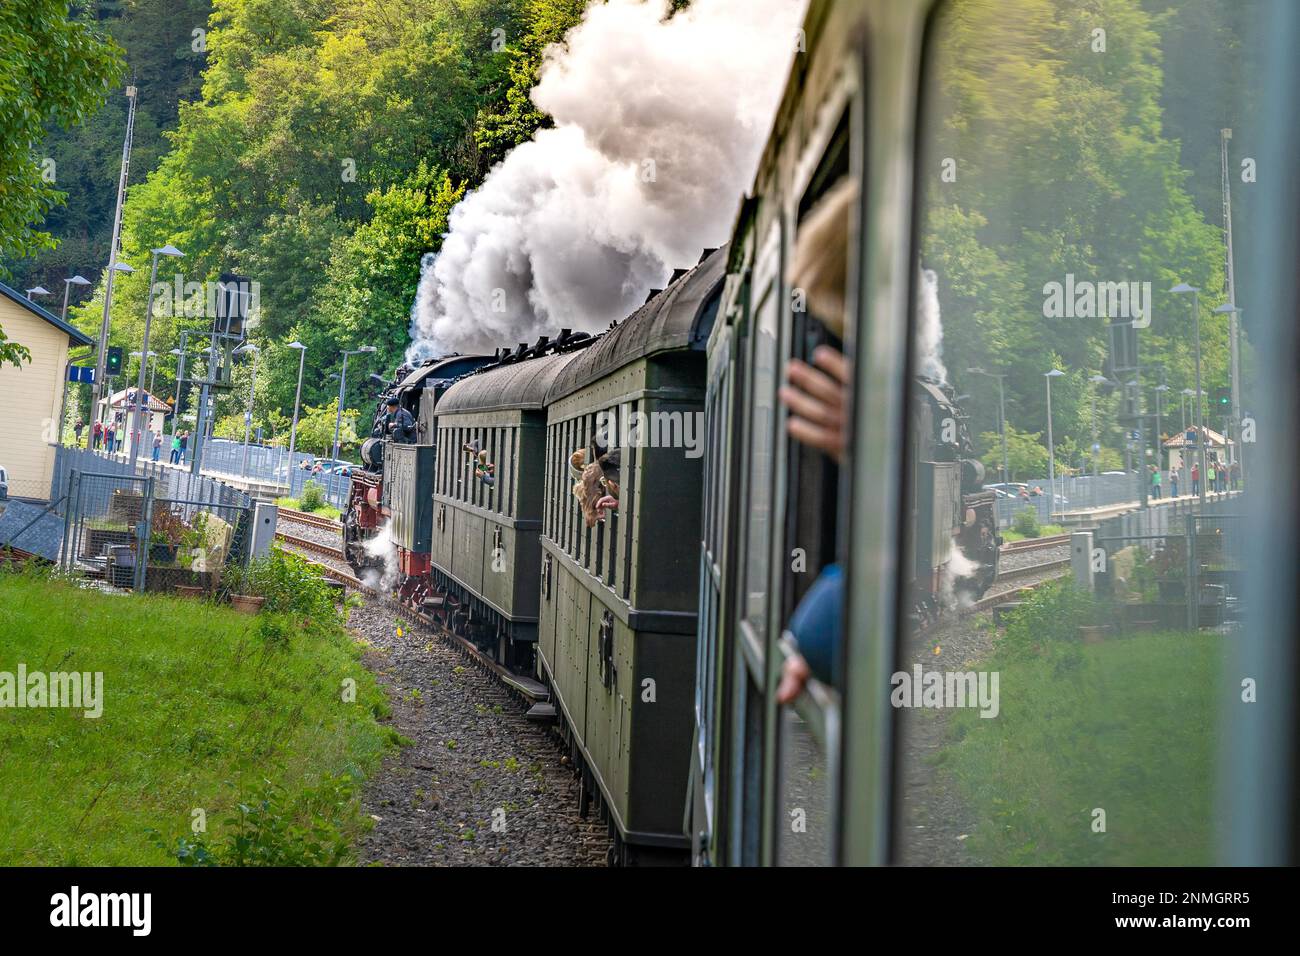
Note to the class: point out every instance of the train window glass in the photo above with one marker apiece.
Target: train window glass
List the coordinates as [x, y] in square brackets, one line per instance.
[1072, 195]
[570, 514]
[611, 559]
[627, 500]
[762, 414]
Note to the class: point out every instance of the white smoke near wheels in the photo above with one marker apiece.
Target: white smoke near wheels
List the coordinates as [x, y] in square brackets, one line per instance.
[381, 548]
[659, 122]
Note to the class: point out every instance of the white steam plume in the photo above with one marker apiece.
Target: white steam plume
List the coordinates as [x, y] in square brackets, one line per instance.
[659, 123]
[930, 328]
[384, 549]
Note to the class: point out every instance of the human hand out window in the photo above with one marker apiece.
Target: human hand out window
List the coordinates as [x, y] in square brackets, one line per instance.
[817, 396]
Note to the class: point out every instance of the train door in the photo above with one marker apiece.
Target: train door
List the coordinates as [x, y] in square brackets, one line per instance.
[749, 721]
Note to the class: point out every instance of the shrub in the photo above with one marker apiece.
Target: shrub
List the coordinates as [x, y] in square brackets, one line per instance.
[290, 584]
[1026, 523]
[313, 497]
[1048, 621]
[265, 830]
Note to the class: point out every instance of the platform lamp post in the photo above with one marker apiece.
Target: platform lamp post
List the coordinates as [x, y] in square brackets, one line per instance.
[1002, 416]
[1183, 289]
[180, 354]
[1160, 435]
[137, 426]
[36, 290]
[338, 416]
[245, 349]
[68, 284]
[153, 366]
[1096, 444]
[1238, 450]
[1051, 445]
[297, 400]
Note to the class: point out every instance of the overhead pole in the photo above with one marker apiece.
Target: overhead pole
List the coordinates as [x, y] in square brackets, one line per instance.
[1235, 453]
[97, 388]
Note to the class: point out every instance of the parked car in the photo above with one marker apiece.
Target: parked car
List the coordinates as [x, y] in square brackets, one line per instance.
[1010, 489]
[329, 466]
[4, 483]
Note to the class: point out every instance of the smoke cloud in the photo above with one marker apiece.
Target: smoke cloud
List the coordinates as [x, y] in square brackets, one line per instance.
[659, 124]
[929, 336]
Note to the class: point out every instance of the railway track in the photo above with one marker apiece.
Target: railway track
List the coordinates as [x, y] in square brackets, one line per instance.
[316, 521]
[1034, 544]
[310, 544]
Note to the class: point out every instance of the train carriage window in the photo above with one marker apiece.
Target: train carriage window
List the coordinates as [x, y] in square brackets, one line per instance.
[614, 520]
[762, 417]
[628, 497]
[1049, 713]
[552, 480]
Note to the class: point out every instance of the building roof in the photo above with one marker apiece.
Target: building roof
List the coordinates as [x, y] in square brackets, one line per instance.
[1212, 437]
[119, 400]
[74, 334]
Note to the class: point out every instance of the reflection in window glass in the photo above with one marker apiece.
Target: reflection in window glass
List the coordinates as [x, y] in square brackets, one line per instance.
[1072, 174]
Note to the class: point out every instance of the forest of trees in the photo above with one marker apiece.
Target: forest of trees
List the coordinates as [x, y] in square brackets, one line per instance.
[318, 147]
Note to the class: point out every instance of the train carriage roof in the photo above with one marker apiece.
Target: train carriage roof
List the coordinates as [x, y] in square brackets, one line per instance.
[667, 322]
[522, 385]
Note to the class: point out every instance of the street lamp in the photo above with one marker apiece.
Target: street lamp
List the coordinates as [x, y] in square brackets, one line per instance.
[1160, 435]
[1237, 453]
[1051, 445]
[68, 284]
[297, 398]
[1096, 445]
[244, 349]
[153, 371]
[180, 354]
[1002, 416]
[338, 412]
[1182, 289]
[37, 290]
[137, 428]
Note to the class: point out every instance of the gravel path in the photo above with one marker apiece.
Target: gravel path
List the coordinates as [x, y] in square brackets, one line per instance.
[475, 761]
[936, 819]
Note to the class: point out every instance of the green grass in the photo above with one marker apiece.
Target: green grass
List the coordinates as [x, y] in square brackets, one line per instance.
[325, 511]
[1129, 725]
[198, 710]
[1044, 531]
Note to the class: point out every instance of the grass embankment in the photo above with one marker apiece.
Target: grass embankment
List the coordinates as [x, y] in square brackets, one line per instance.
[1129, 726]
[1044, 531]
[322, 511]
[201, 705]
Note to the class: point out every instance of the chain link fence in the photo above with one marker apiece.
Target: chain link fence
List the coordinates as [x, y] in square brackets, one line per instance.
[1177, 571]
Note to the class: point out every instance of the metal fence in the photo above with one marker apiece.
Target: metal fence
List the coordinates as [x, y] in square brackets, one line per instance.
[264, 464]
[271, 465]
[1176, 570]
[131, 532]
[1084, 493]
